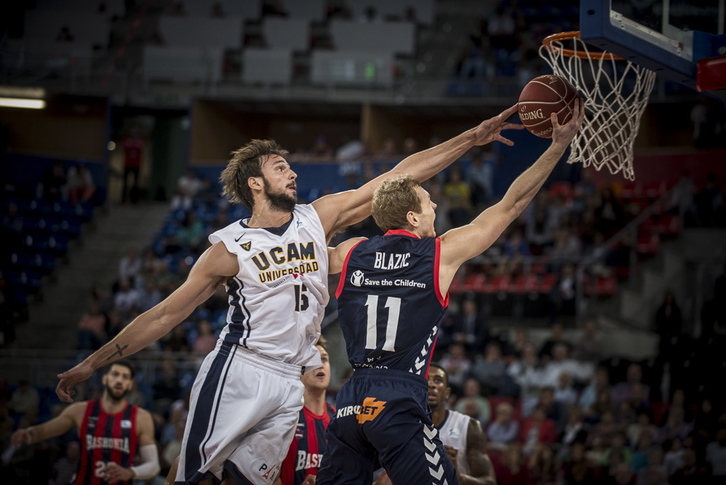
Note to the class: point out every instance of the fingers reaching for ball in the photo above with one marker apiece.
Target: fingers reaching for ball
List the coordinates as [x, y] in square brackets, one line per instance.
[566, 132]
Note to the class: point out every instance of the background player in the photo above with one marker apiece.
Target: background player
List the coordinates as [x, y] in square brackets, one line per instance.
[275, 268]
[463, 437]
[393, 291]
[112, 433]
[303, 458]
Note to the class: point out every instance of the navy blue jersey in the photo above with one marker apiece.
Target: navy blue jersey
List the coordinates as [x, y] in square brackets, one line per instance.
[307, 449]
[390, 302]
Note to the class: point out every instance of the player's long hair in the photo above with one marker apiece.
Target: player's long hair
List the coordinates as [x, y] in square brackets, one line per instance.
[393, 199]
[245, 163]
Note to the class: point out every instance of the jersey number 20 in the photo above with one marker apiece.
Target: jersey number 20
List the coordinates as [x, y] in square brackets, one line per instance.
[393, 304]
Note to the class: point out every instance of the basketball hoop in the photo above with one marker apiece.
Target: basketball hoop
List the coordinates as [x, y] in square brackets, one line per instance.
[616, 92]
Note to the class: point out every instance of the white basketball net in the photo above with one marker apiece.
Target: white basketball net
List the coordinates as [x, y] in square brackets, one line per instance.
[616, 92]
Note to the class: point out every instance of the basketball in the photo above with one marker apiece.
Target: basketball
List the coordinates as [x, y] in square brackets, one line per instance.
[542, 96]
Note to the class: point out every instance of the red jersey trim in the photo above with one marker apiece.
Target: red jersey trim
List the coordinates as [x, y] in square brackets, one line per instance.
[401, 232]
[444, 300]
[344, 271]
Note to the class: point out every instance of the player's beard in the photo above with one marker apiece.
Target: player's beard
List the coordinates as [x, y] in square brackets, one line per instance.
[116, 395]
[282, 201]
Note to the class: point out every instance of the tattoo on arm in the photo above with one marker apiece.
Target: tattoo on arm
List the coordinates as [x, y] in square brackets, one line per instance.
[119, 352]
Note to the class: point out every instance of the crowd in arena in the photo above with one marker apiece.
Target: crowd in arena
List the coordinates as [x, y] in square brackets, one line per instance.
[558, 411]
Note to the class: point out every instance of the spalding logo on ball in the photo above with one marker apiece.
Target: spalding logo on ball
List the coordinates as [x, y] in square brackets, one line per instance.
[543, 96]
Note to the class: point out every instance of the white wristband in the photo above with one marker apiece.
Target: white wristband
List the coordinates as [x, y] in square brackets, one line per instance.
[149, 466]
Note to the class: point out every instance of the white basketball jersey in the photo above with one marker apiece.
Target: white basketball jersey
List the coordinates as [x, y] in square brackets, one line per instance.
[453, 433]
[277, 300]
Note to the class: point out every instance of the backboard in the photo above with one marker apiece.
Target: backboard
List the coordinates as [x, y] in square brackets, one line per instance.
[665, 36]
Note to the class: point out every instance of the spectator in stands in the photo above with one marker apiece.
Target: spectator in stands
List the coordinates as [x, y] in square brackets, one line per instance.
[640, 427]
[458, 194]
[491, 372]
[580, 372]
[557, 336]
[91, 328]
[167, 388]
[618, 451]
[54, 182]
[470, 328]
[64, 470]
[25, 402]
[542, 466]
[554, 410]
[479, 178]
[502, 38]
[577, 468]
[149, 295]
[600, 382]
[692, 472]
[537, 229]
[716, 453]
[675, 427]
[513, 468]
[126, 297]
[589, 347]
[133, 146]
[176, 340]
[565, 393]
[190, 183]
[668, 324]
[81, 187]
[473, 393]
[130, 265]
[623, 391]
[503, 430]
[527, 374]
[536, 429]
[610, 214]
[205, 340]
[563, 297]
[457, 366]
[643, 449]
[654, 473]
[575, 430]
[192, 235]
[567, 247]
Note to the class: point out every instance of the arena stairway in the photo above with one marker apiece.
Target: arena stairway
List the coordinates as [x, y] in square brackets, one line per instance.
[53, 321]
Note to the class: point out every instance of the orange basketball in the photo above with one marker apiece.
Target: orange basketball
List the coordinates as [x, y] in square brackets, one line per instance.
[542, 96]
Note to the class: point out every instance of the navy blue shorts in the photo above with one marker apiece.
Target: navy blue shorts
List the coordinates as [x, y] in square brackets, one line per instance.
[383, 419]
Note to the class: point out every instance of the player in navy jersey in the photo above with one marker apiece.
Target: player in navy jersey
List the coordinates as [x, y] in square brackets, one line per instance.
[112, 432]
[392, 294]
[307, 449]
[274, 266]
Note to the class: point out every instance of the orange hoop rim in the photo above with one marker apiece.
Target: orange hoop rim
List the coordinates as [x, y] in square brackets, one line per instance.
[547, 42]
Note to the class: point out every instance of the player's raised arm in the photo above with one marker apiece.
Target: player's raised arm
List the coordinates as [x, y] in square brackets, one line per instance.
[65, 421]
[461, 244]
[211, 270]
[338, 211]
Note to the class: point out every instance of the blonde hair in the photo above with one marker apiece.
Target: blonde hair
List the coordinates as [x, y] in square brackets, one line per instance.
[393, 199]
[245, 163]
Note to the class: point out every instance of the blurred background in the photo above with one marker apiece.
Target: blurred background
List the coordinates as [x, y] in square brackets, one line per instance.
[116, 118]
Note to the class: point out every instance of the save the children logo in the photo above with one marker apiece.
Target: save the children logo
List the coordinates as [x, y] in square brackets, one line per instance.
[356, 279]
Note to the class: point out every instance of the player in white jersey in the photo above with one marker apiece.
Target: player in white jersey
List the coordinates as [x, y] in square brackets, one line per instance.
[247, 395]
[462, 435]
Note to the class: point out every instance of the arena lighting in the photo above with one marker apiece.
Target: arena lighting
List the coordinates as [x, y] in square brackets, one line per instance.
[22, 103]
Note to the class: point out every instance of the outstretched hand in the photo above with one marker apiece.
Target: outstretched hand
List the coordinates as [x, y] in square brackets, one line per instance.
[70, 378]
[565, 133]
[490, 130]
